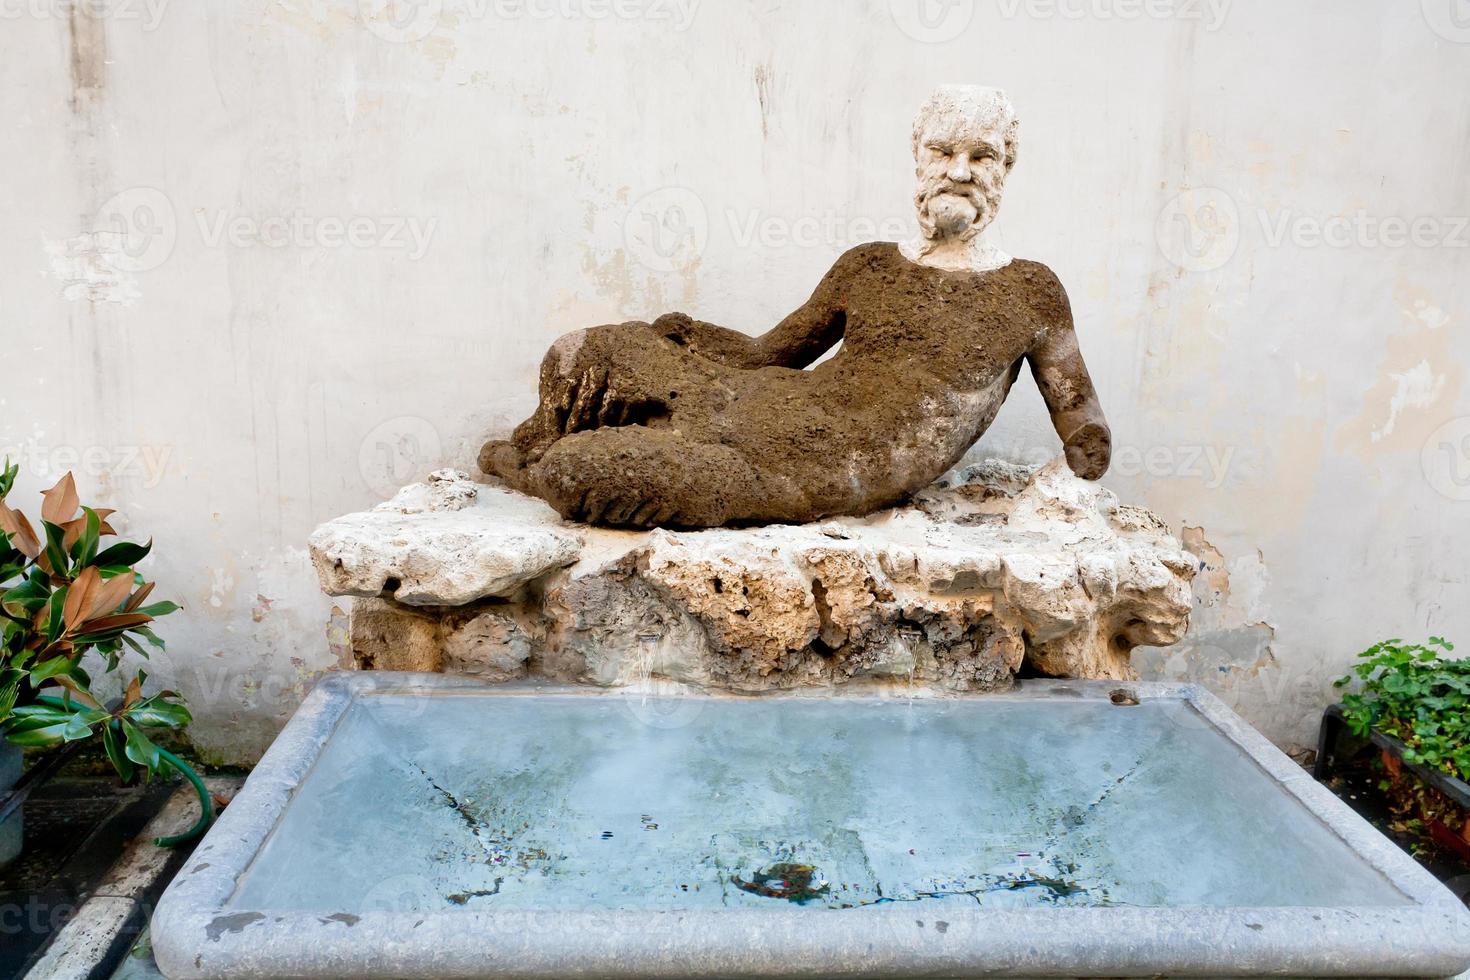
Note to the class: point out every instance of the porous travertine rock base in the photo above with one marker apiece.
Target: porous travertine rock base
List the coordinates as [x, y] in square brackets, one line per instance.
[992, 568]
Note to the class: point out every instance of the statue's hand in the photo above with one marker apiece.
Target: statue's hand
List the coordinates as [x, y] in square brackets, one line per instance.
[1089, 450]
[708, 340]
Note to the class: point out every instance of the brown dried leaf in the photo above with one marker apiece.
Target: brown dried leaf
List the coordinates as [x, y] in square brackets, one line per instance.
[60, 503]
[134, 692]
[76, 689]
[138, 597]
[72, 530]
[111, 594]
[14, 523]
[79, 596]
[113, 622]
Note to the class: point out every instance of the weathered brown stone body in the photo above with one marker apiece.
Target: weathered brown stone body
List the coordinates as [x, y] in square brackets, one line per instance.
[685, 424]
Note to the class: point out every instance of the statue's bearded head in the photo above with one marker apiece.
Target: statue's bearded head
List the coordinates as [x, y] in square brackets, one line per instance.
[964, 146]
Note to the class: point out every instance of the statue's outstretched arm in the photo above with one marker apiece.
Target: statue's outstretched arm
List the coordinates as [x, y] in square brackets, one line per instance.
[806, 334]
[1061, 374]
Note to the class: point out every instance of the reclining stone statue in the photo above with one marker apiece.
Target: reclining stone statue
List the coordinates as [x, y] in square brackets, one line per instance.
[682, 423]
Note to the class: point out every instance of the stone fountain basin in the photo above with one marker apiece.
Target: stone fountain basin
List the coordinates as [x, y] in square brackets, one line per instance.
[432, 826]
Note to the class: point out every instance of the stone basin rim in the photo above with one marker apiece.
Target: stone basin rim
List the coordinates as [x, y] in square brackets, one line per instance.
[198, 934]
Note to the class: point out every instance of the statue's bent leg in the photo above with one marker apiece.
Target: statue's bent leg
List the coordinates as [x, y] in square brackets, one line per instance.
[640, 477]
[605, 376]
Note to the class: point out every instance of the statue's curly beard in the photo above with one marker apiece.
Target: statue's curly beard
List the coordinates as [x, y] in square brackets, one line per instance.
[952, 210]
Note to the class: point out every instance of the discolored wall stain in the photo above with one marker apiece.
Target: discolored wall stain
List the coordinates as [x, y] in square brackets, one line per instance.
[763, 96]
[87, 56]
[1418, 377]
[1229, 641]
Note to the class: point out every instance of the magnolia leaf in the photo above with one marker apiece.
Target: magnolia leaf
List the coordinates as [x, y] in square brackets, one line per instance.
[123, 554]
[155, 713]
[12, 566]
[73, 530]
[92, 630]
[27, 597]
[112, 743]
[40, 725]
[36, 737]
[73, 687]
[158, 609]
[61, 501]
[54, 559]
[40, 714]
[24, 656]
[139, 748]
[49, 669]
[22, 537]
[54, 621]
[150, 636]
[83, 530]
[80, 595]
[111, 595]
[9, 692]
[76, 729]
[70, 721]
[85, 547]
[134, 691]
[138, 597]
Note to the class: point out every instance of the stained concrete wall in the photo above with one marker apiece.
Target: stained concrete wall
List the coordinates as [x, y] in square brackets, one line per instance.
[262, 261]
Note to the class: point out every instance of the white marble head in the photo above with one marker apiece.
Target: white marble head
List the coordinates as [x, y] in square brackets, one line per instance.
[964, 146]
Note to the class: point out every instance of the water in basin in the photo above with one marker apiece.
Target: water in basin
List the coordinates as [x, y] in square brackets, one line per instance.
[575, 802]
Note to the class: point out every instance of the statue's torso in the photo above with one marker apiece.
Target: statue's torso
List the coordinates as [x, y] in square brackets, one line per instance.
[938, 328]
[927, 359]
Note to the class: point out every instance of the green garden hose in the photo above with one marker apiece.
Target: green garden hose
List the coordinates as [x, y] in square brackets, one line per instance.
[206, 804]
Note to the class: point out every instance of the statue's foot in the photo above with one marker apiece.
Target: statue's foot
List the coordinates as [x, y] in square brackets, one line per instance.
[499, 457]
[628, 510]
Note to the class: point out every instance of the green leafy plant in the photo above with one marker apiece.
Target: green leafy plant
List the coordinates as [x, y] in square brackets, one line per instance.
[63, 595]
[1419, 696]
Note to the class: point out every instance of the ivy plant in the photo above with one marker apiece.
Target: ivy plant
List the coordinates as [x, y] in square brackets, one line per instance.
[1417, 694]
[66, 592]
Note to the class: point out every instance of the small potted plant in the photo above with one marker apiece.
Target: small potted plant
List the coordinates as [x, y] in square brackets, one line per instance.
[65, 598]
[1412, 701]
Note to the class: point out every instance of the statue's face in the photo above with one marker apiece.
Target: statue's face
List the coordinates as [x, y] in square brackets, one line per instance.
[962, 172]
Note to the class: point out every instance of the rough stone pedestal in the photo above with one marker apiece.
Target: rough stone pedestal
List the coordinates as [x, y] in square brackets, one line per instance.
[992, 570]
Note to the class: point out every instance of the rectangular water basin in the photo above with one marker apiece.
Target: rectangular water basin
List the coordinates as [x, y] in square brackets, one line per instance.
[429, 826]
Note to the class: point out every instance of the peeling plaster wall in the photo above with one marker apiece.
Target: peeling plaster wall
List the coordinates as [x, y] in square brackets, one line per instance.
[262, 262]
